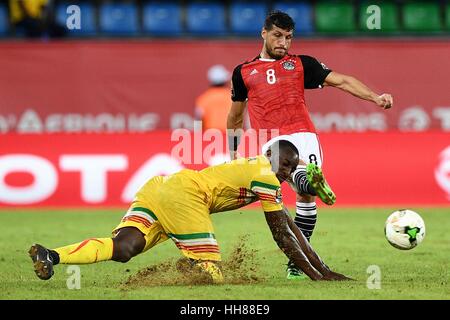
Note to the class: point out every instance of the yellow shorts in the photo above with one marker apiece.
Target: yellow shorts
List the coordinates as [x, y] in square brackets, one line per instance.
[174, 208]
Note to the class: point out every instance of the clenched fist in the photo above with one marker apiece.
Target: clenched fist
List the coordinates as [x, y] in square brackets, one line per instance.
[386, 101]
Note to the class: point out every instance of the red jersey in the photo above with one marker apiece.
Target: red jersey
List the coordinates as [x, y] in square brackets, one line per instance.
[275, 90]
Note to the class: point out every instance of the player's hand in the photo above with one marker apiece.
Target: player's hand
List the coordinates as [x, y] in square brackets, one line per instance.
[234, 155]
[334, 276]
[385, 101]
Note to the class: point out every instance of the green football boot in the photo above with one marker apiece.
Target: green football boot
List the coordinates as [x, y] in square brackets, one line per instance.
[294, 273]
[315, 177]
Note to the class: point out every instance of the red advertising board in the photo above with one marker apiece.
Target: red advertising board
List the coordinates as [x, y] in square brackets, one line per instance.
[106, 169]
[140, 86]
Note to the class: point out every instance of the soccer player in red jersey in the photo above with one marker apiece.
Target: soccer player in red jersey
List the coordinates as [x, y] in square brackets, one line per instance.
[272, 86]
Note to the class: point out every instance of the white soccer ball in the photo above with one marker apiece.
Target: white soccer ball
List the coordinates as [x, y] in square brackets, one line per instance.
[404, 229]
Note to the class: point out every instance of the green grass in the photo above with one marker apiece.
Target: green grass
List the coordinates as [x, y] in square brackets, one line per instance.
[348, 240]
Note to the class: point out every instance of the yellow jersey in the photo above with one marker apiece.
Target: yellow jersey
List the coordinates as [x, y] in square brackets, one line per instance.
[179, 206]
[227, 186]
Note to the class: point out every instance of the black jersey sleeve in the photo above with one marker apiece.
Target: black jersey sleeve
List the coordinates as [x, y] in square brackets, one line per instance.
[315, 72]
[238, 88]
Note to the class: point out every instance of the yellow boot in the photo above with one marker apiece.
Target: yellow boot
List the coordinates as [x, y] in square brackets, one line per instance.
[212, 269]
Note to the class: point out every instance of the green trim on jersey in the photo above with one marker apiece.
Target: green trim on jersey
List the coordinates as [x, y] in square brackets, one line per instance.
[263, 185]
[192, 236]
[149, 212]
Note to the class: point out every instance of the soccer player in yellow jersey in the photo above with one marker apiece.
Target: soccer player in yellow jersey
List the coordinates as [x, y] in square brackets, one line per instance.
[179, 207]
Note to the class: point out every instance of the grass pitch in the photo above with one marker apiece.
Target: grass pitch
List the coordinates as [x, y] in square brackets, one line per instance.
[350, 241]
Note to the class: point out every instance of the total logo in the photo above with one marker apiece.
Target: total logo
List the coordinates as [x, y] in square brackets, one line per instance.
[442, 172]
[94, 170]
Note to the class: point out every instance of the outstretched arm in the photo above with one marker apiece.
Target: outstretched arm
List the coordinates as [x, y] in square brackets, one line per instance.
[288, 243]
[358, 89]
[310, 253]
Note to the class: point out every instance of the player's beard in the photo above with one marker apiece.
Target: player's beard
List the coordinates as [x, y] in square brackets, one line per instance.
[277, 56]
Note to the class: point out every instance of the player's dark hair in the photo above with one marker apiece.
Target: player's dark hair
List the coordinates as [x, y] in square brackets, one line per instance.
[280, 19]
[284, 145]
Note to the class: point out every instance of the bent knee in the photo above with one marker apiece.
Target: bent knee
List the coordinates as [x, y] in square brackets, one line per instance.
[124, 251]
[126, 246]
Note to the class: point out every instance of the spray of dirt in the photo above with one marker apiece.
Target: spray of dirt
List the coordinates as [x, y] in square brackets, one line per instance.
[239, 268]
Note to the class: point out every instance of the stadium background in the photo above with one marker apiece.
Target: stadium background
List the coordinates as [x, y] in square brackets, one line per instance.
[85, 120]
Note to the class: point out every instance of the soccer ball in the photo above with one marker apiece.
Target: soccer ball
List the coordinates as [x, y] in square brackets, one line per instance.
[404, 229]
